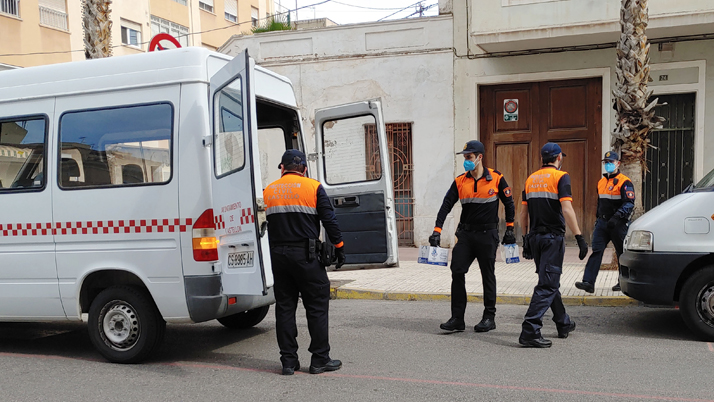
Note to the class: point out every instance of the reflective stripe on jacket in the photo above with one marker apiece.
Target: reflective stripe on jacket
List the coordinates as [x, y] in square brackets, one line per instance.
[295, 205]
[479, 199]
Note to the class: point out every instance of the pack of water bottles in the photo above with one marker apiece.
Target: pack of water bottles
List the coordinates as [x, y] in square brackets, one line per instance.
[509, 252]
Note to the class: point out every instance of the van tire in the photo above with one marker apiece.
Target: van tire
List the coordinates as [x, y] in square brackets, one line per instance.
[246, 319]
[124, 324]
[696, 303]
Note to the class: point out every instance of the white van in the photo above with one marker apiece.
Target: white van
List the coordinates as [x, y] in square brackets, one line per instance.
[669, 256]
[131, 191]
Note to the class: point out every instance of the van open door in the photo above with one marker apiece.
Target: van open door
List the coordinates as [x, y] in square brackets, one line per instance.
[239, 213]
[354, 168]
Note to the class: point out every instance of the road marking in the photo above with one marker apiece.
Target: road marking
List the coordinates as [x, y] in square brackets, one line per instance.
[711, 347]
[393, 379]
[453, 383]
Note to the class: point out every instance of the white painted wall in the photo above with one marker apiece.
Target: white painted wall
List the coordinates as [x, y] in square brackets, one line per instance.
[407, 64]
[501, 25]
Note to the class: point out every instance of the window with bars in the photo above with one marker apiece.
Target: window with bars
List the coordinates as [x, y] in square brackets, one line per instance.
[11, 7]
[179, 32]
[182, 2]
[231, 10]
[206, 5]
[399, 141]
[53, 13]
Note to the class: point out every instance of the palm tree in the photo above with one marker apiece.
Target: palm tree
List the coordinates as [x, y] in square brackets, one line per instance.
[97, 26]
[635, 115]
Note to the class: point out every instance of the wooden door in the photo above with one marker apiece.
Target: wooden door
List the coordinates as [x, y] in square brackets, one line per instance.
[566, 112]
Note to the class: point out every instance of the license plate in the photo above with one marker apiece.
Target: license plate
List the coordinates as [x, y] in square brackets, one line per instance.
[241, 259]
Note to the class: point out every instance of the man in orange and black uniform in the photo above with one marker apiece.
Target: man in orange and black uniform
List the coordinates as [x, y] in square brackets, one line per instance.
[479, 190]
[548, 202]
[295, 207]
[616, 200]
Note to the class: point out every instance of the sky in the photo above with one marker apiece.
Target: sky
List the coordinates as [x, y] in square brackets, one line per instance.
[355, 11]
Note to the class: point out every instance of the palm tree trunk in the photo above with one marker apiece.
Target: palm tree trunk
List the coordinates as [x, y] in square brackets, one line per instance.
[97, 26]
[635, 115]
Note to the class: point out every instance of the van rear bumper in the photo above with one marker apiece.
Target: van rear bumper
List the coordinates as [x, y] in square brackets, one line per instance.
[651, 277]
[206, 302]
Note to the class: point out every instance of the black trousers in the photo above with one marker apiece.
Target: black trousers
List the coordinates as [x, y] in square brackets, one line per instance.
[602, 236]
[294, 276]
[548, 252]
[480, 245]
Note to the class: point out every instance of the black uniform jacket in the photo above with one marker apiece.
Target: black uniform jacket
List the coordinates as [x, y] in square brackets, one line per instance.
[295, 207]
[479, 199]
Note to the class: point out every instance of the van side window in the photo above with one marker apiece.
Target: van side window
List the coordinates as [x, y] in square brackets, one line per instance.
[351, 153]
[229, 139]
[124, 146]
[22, 154]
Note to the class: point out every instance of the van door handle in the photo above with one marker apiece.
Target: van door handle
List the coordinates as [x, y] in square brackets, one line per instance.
[344, 202]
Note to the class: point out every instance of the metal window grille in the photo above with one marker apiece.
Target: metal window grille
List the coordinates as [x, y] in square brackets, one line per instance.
[399, 141]
[182, 2]
[670, 161]
[11, 7]
[53, 18]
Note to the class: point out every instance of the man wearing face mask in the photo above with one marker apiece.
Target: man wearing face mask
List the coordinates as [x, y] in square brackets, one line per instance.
[616, 200]
[478, 190]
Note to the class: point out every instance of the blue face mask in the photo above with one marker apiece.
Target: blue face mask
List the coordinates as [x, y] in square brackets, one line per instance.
[610, 167]
[469, 165]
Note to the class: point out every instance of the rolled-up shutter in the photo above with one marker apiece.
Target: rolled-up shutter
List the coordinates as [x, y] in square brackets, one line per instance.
[231, 7]
[57, 5]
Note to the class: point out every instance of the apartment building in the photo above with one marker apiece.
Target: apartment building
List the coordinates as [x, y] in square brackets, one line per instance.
[36, 32]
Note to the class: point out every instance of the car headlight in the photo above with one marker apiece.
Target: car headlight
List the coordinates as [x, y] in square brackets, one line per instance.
[640, 240]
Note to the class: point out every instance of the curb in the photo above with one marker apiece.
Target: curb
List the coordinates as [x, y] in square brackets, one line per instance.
[368, 294]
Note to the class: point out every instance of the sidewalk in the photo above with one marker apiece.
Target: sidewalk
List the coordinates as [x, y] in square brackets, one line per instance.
[515, 282]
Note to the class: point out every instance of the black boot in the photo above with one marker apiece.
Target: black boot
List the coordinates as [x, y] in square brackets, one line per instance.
[454, 324]
[485, 325]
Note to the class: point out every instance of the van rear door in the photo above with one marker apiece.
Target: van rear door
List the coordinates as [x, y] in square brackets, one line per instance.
[354, 169]
[238, 207]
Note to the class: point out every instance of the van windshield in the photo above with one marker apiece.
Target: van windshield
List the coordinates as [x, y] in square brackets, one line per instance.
[706, 182]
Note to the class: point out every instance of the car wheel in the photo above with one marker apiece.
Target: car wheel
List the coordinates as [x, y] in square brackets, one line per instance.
[124, 324]
[696, 303]
[246, 319]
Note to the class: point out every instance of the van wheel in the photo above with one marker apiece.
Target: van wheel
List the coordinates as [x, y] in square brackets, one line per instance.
[124, 324]
[696, 303]
[246, 319]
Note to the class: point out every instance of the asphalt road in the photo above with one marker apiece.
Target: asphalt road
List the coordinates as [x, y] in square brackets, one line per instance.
[392, 351]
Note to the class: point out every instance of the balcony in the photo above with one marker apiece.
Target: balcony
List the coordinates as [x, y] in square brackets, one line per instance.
[513, 25]
[53, 18]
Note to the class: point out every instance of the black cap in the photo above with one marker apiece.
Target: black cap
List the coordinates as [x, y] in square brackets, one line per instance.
[611, 156]
[293, 156]
[550, 150]
[472, 147]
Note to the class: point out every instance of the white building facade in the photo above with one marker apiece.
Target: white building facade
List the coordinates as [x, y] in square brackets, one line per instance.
[409, 66]
[514, 74]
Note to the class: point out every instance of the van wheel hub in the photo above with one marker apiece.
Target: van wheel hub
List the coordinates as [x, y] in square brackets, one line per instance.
[120, 326]
[705, 303]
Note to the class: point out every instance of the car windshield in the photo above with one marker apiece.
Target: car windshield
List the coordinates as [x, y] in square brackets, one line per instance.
[706, 182]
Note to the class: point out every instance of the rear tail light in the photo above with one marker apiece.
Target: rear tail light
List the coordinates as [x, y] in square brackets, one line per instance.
[205, 243]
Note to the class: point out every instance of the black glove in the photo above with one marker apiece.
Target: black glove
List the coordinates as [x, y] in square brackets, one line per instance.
[582, 245]
[612, 223]
[435, 239]
[509, 237]
[527, 248]
[340, 254]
